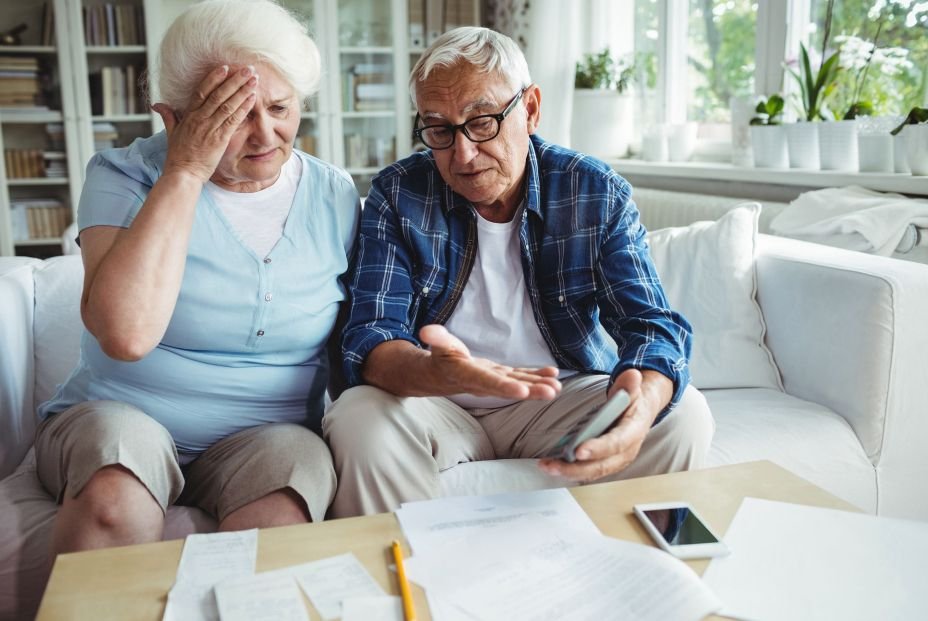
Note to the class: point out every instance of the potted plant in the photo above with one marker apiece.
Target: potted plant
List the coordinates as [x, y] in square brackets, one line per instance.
[815, 86]
[916, 138]
[601, 123]
[768, 139]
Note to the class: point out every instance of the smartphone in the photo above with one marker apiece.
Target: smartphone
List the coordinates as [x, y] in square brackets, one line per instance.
[678, 529]
[592, 424]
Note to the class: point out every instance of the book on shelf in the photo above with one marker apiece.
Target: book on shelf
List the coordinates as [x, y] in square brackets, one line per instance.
[20, 84]
[114, 91]
[24, 163]
[48, 24]
[38, 218]
[105, 136]
[111, 24]
[306, 143]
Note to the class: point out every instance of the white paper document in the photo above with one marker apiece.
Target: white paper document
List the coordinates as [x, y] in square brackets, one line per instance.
[330, 581]
[384, 608]
[431, 523]
[268, 596]
[804, 563]
[206, 560]
[539, 572]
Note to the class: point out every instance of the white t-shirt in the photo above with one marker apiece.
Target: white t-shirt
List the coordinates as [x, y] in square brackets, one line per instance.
[258, 218]
[494, 316]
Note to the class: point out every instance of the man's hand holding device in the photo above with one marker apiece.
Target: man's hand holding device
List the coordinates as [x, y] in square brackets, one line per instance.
[678, 529]
[592, 425]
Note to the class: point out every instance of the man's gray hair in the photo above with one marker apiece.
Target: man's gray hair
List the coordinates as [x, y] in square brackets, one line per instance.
[241, 32]
[487, 50]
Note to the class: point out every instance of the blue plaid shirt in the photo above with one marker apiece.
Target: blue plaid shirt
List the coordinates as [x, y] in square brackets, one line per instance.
[586, 265]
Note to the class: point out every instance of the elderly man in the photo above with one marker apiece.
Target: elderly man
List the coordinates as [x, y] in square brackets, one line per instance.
[490, 272]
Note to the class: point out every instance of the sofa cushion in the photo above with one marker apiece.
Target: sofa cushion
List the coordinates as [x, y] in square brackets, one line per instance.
[58, 284]
[806, 438]
[707, 270]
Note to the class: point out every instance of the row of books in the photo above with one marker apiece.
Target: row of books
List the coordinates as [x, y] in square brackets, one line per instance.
[34, 163]
[114, 24]
[430, 18]
[20, 85]
[306, 143]
[368, 86]
[369, 151]
[38, 218]
[115, 90]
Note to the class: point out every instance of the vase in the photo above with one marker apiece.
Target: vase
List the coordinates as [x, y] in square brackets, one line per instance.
[768, 143]
[743, 108]
[875, 153]
[654, 144]
[837, 143]
[916, 141]
[802, 142]
[900, 154]
[681, 141]
[601, 123]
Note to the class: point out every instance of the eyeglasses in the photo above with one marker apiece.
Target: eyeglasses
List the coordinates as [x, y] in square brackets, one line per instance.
[477, 129]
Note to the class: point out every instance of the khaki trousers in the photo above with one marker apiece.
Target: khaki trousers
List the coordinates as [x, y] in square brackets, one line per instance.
[389, 450]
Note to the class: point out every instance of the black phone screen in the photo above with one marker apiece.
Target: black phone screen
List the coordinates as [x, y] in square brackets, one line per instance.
[679, 526]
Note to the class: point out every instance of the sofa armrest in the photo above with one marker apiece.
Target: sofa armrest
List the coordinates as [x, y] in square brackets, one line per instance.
[17, 364]
[848, 331]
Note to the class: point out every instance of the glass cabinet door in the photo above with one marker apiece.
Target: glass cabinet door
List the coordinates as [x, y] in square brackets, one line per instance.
[368, 81]
[308, 137]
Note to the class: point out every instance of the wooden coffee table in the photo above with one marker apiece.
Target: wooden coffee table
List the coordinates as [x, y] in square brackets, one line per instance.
[133, 582]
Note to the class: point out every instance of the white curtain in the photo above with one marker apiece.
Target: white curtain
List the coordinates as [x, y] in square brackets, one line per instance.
[555, 34]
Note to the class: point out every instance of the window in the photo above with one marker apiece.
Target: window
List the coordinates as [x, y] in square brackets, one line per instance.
[892, 35]
[703, 52]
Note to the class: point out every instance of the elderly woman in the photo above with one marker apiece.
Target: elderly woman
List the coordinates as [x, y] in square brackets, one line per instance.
[212, 255]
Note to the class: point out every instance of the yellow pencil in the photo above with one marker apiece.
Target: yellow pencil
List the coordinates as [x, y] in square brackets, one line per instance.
[409, 609]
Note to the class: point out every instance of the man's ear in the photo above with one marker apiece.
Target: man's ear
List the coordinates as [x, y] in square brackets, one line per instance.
[532, 107]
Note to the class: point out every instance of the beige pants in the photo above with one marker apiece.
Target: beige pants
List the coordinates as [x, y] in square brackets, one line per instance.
[389, 450]
[241, 468]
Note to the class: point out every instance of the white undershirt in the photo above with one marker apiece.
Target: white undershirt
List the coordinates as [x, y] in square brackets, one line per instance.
[494, 316]
[258, 218]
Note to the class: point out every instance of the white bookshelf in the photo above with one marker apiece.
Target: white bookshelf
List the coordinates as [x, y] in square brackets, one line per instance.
[349, 33]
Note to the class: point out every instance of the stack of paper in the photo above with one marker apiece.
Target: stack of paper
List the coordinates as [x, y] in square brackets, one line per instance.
[216, 580]
[795, 562]
[537, 556]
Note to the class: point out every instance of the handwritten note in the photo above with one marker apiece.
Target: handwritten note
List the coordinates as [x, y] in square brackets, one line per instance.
[268, 596]
[386, 608]
[330, 581]
[206, 560]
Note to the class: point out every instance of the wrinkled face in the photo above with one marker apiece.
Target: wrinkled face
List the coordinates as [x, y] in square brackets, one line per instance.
[264, 141]
[489, 174]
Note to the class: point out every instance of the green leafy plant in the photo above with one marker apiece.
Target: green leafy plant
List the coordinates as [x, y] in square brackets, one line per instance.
[602, 71]
[916, 116]
[816, 86]
[768, 111]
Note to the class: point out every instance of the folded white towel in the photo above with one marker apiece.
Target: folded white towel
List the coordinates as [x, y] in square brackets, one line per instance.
[854, 218]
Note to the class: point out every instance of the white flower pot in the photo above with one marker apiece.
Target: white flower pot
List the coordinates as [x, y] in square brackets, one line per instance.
[768, 143]
[802, 140]
[601, 123]
[916, 138]
[681, 141]
[837, 143]
[900, 154]
[743, 109]
[875, 153]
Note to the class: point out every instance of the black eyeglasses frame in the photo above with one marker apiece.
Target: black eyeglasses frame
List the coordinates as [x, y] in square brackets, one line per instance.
[462, 127]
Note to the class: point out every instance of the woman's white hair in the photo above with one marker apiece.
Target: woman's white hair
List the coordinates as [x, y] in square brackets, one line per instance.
[238, 32]
[485, 49]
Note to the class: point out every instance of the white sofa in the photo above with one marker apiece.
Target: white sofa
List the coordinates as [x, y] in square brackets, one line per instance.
[847, 332]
